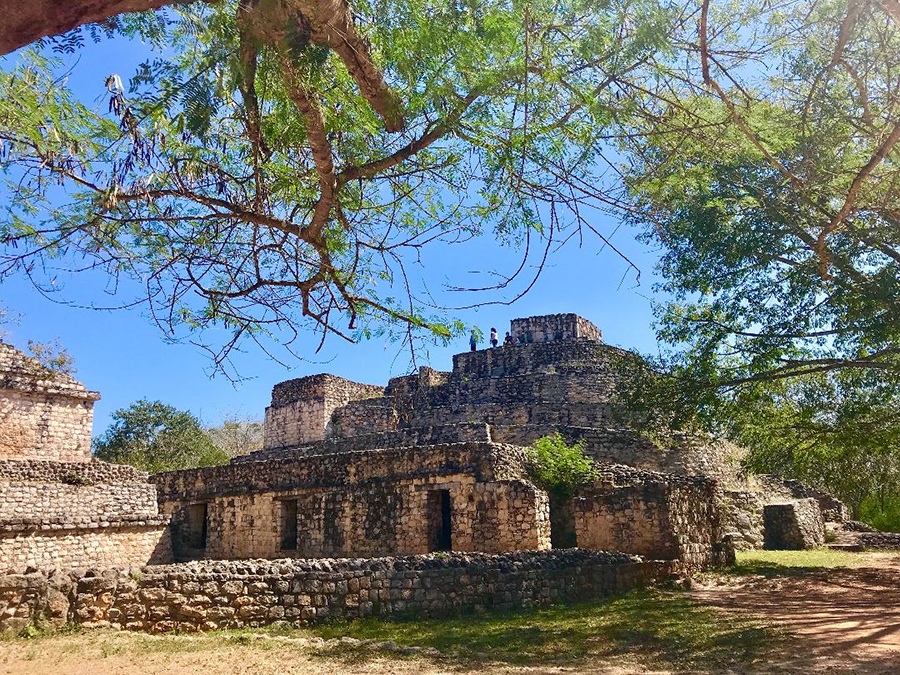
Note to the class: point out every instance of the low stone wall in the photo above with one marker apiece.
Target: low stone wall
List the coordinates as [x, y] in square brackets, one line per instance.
[399, 438]
[77, 505]
[793, 526]
[75, 514]
[208, 596]
[879, 539]
[73, 473]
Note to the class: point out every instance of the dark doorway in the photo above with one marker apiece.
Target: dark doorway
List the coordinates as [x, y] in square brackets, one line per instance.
[197, 525]
[562, 523]
[440, 518]
[289, 525]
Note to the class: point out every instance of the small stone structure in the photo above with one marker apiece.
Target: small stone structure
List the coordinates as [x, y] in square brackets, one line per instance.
[301, 408]
[554, 328]
[742, 510]
[43, 414]
[60, 508]
[795, 525]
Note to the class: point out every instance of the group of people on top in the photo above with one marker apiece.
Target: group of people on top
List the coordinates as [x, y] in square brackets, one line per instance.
[493, 339]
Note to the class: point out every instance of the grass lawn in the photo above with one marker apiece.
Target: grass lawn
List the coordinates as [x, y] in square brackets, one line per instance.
[654, 628]
[657, 628]
[790, 563]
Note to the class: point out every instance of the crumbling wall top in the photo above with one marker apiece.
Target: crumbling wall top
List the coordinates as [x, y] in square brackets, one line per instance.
[319, 387]
[24, 373]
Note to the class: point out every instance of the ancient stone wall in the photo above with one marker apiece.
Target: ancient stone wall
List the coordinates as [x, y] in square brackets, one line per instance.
[360, 418]
[535, 358]
[793, 526]
[409, 386]
[742, 518]
[74, 494]
[301, 408]
[111, 543]
[359, 504]
[399, 438]
[554, 328]
[75, 514]
[886, 540]
[43, 414]
[214, 595]
[660, 517]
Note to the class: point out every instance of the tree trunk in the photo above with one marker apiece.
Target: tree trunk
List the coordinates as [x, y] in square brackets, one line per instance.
[26, 21]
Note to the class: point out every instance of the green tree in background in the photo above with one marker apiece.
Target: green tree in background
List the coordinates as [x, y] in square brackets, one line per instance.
[237, 435]
[156, 437]
[769, 182]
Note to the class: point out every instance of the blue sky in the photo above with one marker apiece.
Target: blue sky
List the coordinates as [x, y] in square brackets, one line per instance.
[123, 356]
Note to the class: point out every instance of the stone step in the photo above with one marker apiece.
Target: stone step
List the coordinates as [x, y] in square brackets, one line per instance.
[845, 547]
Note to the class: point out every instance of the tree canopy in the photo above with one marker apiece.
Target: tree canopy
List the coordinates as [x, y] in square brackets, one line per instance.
[254, 177]
[156, 437]
[770, 183]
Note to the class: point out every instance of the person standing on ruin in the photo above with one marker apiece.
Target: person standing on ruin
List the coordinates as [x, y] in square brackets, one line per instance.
[508, 340]
[493, 337]
[473, 341]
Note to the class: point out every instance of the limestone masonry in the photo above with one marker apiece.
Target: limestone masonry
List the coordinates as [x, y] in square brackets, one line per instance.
[373, 481]
[58, 507]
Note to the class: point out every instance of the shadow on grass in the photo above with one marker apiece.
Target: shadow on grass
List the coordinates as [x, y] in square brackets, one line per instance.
[791, 563]
[769, 569]
[667, 630]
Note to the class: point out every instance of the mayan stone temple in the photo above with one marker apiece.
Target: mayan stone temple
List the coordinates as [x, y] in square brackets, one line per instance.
[414, 497]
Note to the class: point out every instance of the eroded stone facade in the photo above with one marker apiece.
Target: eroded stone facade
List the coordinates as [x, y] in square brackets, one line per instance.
[43, 414]
[59, 508]
[360, 504]
[301, 408]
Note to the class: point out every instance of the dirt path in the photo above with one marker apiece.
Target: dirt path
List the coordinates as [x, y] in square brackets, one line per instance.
[845, 619]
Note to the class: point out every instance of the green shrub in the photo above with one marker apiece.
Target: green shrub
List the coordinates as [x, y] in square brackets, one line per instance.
[881, 512]
[557, 467]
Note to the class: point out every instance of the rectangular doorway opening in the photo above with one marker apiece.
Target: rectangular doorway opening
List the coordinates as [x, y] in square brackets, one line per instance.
[440, 518]
[562, 523]
[197, 525]
[289, 525]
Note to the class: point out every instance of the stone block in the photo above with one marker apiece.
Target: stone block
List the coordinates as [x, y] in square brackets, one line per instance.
[793, 525]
